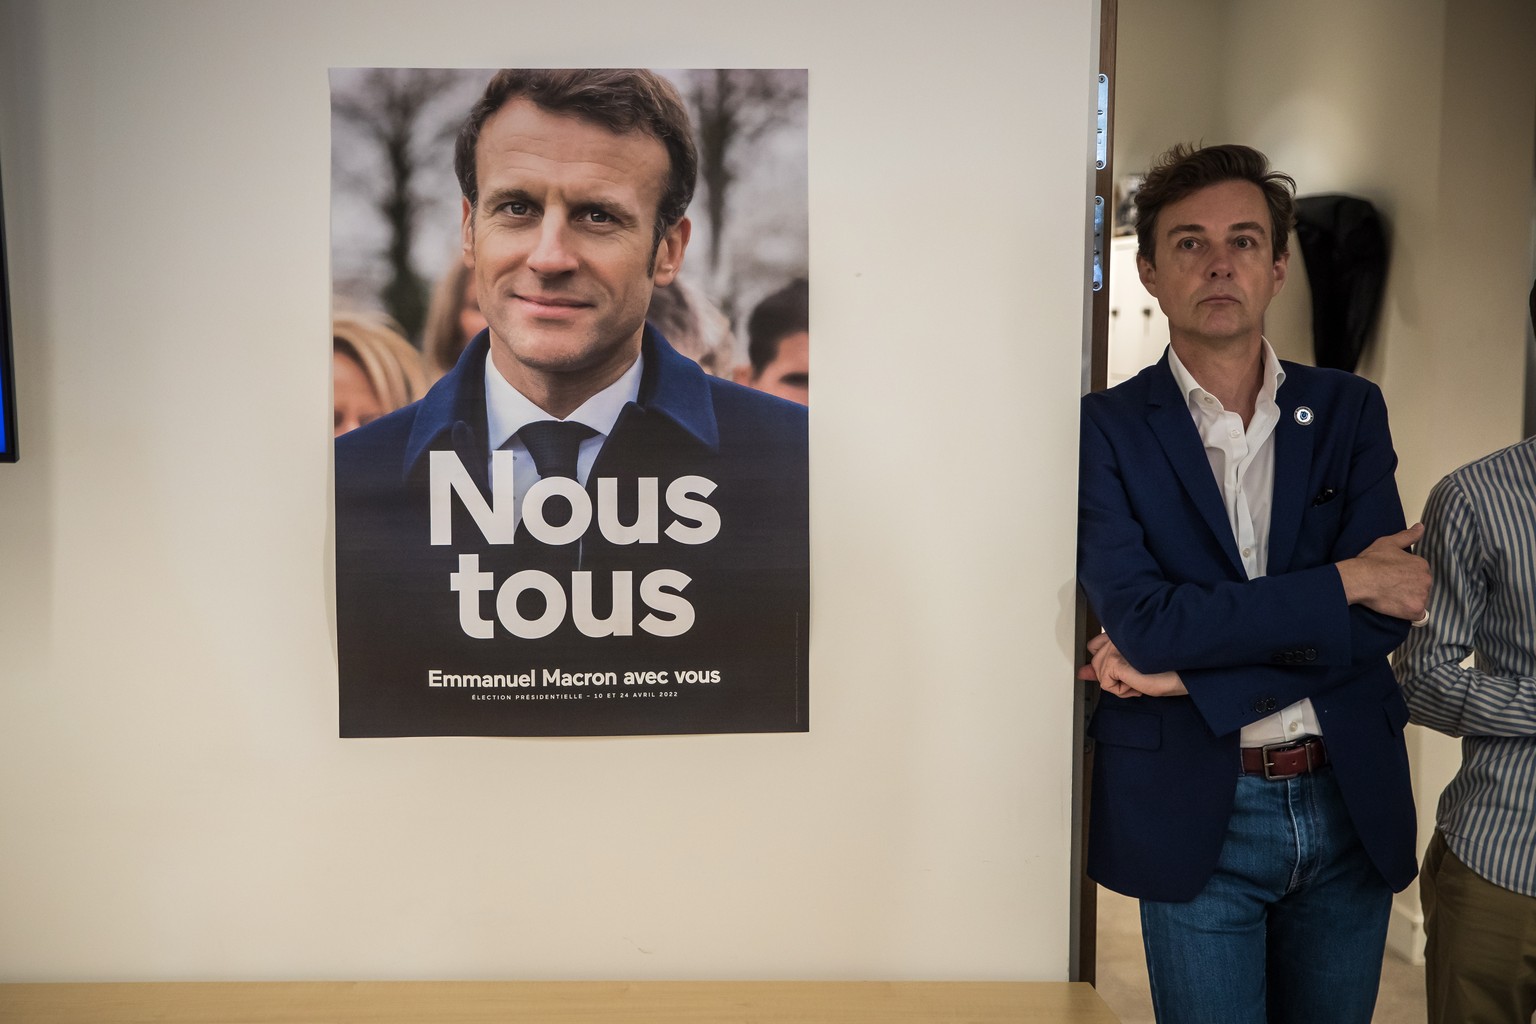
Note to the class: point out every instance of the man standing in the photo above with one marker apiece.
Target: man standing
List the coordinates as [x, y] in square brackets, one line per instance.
[1242, 540]
[576, 530]
[1478, 884]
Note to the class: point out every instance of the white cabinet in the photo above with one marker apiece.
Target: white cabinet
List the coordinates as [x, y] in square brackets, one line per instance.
[1138, 330]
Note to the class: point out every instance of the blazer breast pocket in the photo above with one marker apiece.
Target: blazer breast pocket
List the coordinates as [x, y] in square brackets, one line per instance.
[1121, 728]
[1321, 520]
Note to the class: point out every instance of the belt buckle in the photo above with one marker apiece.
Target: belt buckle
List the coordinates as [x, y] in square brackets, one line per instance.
[1269, 774]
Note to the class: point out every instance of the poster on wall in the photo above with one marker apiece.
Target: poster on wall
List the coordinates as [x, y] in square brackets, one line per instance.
[570, 345]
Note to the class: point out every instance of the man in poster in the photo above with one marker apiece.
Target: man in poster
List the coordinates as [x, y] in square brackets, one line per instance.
[576, 531]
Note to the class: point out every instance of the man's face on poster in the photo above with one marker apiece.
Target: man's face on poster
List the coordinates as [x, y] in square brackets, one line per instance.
[562, 246]
[788, 375]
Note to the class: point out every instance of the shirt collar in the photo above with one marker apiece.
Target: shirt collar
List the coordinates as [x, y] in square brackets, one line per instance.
[453, 412]
[508, 410]
[1274, 376]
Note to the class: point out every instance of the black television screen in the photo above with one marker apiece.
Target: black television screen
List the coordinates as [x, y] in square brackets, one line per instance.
[7, 386]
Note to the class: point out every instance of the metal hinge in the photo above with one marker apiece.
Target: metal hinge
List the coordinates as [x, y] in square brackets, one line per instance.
[1101, 140]
[1098, 242]
[1100, 160]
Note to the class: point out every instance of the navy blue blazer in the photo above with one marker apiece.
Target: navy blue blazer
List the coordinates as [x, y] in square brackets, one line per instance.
[748, 587]
[1158, 562]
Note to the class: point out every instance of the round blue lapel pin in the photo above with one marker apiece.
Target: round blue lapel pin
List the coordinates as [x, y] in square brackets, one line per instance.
[1304, 416]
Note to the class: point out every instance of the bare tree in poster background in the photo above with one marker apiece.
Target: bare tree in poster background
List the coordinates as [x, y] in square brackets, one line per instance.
[395, 200]
[733, 109]
[389, 111]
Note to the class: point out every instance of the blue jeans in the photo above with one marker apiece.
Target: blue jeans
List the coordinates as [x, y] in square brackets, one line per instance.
[1290, 928]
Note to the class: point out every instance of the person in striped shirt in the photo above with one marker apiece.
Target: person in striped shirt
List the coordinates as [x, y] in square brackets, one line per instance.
[1478, 882]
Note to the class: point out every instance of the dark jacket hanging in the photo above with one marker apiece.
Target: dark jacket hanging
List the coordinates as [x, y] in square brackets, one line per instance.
[1344, 247]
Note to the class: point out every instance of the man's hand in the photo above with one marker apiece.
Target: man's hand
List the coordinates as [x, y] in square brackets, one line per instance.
[1116, 675]
[1388, 578]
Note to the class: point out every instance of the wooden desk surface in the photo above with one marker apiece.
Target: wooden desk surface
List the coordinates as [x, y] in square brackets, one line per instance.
[530, 1002]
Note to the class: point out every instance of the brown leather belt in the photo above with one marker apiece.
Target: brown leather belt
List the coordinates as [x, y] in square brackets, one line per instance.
[1285, 760]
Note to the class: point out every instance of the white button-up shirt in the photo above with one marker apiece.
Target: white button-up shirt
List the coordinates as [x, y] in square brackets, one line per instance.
[507, 410]
[1243, 463]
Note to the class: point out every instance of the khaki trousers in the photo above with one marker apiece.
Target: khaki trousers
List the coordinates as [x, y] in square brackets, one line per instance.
[1481, 951]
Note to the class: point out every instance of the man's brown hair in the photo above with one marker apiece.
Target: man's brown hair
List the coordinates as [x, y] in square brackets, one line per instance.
[1186, 169]
[618, 99]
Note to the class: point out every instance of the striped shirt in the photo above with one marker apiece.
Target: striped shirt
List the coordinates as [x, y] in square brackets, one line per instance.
[1480, 541]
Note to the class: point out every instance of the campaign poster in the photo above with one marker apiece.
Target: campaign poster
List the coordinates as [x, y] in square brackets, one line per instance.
[570, 375]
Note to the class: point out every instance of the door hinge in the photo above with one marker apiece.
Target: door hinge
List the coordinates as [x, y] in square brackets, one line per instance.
[1098, 242]
[1101, 138]
[1100, 161]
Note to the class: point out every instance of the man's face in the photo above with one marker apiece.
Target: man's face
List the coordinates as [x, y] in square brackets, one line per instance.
[1215, 272]
[789, 374]
[561, 245]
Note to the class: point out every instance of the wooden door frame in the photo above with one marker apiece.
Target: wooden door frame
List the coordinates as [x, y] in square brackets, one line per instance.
[1083, 947]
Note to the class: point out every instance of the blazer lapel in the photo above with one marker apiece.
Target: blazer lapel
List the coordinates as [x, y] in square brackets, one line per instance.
[1293, 466]
[1168, 416]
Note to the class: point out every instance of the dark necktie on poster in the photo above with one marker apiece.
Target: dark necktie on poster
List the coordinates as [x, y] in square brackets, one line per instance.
[554, 445]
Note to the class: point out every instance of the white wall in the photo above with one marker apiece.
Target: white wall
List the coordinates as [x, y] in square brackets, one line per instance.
[174, 802]
[1169, 78]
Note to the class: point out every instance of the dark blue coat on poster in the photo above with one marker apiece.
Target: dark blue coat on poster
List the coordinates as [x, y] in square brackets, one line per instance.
[1158, 562]
[706, 633]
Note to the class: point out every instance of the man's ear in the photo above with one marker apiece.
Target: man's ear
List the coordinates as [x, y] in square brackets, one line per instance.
[1148, 274]
[669, 254]
[1282, 267]
[467, 231]
[743, 374]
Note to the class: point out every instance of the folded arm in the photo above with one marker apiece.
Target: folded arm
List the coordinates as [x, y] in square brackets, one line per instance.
[1284, 631]
[1117, 676]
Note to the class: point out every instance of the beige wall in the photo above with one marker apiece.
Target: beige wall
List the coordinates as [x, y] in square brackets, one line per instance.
[174, 802]
[1169, 85]
[1428, 109]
